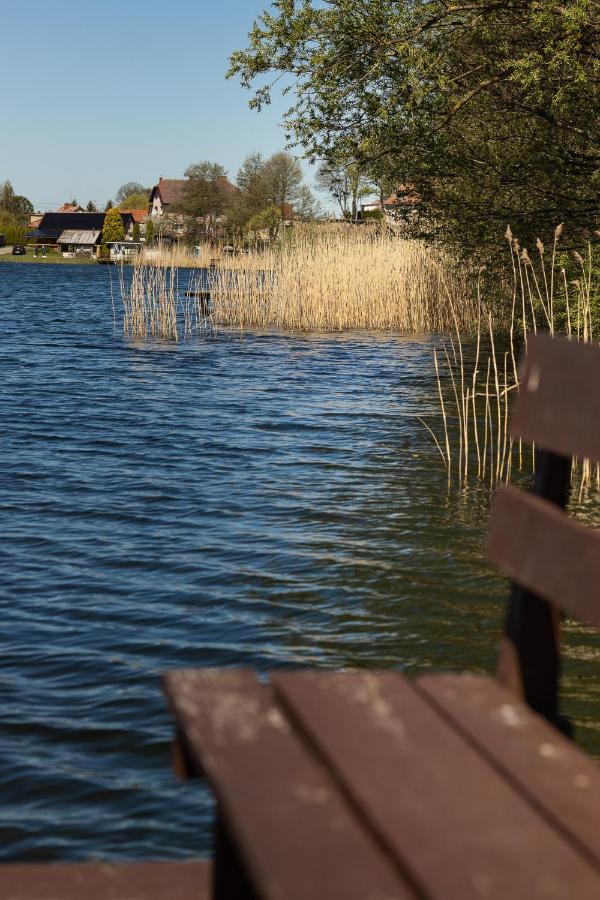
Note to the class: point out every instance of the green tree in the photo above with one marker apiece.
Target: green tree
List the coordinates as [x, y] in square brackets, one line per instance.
[7, 196]
[91, 206]
[206, 191]
[206, 199]
[488, 108]
[137, 200]
[109, 205]
[135, 231]
[283, 179]
[149, 231]
[268, 219]
[14, 207]
[113, 229]
[129, 188]
[253, 195]
[346, 183]
[277, 181]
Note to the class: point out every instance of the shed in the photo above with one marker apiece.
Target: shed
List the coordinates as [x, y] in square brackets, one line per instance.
[72, 240]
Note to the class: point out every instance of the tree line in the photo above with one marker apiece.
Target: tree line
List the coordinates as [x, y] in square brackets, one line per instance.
[266, 192]
[489, 108]
[14, 214]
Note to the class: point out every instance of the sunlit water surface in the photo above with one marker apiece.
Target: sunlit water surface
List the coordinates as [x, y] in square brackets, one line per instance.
[265, 501]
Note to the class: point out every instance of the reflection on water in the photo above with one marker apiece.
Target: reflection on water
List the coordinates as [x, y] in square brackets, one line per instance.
[266, 500]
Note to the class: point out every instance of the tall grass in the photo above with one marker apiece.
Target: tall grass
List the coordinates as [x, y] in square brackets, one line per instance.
[330, 279]
[151, 305]
[476, 380]
[345, 280]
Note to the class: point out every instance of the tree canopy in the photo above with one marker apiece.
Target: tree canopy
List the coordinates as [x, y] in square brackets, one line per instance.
[129, 188]
[135, 200]
[346, 183]
[206, 192]
[488, 107]
[14, 209]
[277, 181]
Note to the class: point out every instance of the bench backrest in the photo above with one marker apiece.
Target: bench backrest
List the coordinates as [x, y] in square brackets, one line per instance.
[553, 561]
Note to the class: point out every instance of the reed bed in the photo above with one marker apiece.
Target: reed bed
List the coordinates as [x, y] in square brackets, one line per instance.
[153, 306]
[338, 278]
[344, 280]
[327, 279]
[477, 380]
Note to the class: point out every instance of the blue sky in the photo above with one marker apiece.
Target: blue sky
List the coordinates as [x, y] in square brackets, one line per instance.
[98, 94]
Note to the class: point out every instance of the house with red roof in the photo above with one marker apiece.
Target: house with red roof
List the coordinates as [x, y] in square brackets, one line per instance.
[70, 208]
[166, 196]
[402, 204]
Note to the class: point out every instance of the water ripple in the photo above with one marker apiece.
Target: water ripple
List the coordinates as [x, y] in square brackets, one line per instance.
[266, 500]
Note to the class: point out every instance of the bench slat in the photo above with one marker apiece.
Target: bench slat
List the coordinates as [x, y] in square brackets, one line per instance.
[558, 406]
[106, 881]
[551, 770]
[444, 811]
[297, 835]
[545, 551]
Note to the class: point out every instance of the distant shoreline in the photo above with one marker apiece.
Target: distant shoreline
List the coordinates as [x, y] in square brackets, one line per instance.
[50, 260]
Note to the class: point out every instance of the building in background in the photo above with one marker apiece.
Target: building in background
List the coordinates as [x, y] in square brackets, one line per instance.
[74, 232]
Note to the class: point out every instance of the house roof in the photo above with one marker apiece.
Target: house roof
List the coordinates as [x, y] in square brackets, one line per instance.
[171, 190]
[138, 215]
[69, 208]
[80, 237]
[404, 195]
[54, 224]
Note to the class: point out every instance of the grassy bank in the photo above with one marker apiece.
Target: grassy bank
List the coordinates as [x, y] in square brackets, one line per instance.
[51, 258]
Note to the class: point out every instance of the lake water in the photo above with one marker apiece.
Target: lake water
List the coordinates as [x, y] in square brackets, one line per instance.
[261, 500]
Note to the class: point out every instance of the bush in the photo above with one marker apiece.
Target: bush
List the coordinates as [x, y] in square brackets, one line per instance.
[373, 215]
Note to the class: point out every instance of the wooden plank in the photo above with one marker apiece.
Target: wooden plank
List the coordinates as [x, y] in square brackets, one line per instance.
[447, 815]
[107, 881]
[529, 660]
[544, 550]
[556, 776]
[558, 406]
[296, 834]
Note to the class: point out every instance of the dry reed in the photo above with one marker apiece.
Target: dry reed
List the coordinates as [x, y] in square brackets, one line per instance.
[475, 389]
[326, 279]
[344, 279]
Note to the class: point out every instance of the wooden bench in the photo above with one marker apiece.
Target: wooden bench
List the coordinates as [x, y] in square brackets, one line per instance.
[365, 786]
[106, 881]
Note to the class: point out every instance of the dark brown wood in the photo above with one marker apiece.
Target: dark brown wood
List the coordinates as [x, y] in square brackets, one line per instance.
[529, 661]
[296, 837]
[449, 817]
[558, 406]
[557, 777]
[231, 880]
[544, 550]
[107, 881]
